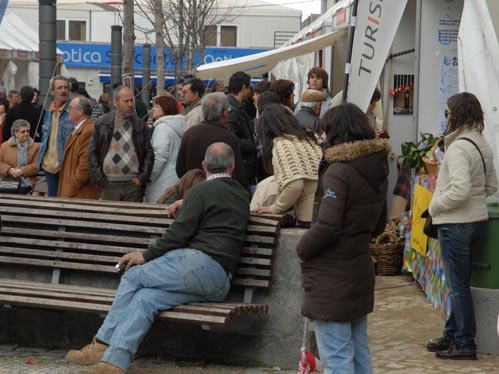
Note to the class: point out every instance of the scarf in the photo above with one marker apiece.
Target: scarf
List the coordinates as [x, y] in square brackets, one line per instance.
[22, 160]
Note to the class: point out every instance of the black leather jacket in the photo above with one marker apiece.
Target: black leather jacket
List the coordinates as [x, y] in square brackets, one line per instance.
[101, 139]
[240, 125]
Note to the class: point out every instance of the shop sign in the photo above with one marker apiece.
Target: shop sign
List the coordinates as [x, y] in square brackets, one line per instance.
[97, 55]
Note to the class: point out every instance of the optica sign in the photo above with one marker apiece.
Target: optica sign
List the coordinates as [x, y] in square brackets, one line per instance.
[98, 56]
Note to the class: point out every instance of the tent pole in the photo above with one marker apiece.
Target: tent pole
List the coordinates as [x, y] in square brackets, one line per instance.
[348, 64]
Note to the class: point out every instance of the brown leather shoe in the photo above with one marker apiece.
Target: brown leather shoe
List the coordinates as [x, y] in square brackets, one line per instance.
[102, 368]
[88, 355]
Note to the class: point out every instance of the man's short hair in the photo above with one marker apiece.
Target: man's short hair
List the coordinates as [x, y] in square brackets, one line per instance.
[183, 78]
[213, 106]
[57, 78]
[197, 85]
[237, 81]
[12, 93]
[117, 90]
[73, 85]
[85, 105]
[219, 157]
[27, 94]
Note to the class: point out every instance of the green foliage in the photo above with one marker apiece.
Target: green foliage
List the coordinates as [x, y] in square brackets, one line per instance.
[413, 153]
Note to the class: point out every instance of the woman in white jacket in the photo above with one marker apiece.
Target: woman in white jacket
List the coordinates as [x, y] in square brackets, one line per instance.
[467, 176]
[169, 128]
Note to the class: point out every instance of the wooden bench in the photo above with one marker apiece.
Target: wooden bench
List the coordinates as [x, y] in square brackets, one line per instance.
[54, 253]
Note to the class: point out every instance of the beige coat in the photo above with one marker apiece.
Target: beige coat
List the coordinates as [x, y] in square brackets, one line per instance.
[9, 156]
[74, 180]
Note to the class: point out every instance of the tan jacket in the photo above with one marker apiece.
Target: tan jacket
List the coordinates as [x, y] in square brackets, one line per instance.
[9, 156]
[74, 180]
[462, 187]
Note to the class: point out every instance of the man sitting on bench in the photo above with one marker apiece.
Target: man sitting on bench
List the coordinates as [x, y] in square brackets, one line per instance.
[192, 262]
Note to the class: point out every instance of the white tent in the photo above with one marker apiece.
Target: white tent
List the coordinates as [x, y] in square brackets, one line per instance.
[17, 39]
[478, 53]
[18, 52]
[260, 63]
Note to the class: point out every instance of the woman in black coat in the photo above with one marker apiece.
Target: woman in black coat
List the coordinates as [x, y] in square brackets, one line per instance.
[349, 210]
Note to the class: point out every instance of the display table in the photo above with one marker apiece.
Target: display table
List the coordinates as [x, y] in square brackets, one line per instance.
[427, 270]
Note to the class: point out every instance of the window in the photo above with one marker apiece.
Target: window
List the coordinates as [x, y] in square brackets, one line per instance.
[228, 36]
[77, 30]
[61, 29]
[71, 30]
[220, 36]
[210, 36]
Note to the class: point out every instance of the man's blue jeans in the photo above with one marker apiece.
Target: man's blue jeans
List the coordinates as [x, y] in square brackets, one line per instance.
[178, 277]
[343, 346]
[457, 243]
[52, 183]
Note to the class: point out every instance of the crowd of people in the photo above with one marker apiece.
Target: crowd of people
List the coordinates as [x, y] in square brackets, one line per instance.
[213, 157]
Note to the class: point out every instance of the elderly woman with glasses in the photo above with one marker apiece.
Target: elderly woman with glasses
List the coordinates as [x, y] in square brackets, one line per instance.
[18, 156]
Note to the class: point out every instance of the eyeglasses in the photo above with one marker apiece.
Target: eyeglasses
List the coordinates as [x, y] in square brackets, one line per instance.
[447, 114]
[23, 131]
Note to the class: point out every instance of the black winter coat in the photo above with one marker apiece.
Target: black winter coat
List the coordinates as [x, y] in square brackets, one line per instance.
[99, 146]
[349, 210]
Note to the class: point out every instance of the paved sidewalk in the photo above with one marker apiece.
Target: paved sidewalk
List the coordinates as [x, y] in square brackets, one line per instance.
[398, 329]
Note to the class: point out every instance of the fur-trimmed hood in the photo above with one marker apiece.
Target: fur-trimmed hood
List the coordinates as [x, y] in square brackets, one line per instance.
[368, 157]
[361, 148]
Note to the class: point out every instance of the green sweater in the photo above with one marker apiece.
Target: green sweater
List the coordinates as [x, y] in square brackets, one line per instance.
[212, 219]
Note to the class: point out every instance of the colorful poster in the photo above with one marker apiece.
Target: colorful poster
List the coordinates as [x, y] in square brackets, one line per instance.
[422, 199]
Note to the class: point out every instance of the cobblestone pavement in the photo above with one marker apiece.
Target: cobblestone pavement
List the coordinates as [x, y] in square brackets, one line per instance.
[402, 322]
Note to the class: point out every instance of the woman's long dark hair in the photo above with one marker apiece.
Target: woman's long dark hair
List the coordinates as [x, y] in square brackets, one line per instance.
[276, 121]
[465, 110]
[346, 123]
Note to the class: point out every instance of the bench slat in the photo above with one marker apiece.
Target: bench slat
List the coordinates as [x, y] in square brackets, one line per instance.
[253, 272]
[63, 244]
[90, 225]
[90, 258]
[251, 282]
[74, 236]
[100, 216]
[57, 264]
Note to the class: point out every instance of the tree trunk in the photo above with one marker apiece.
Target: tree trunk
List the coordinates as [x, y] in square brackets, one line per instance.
[160, 50]
[179, 54]
[128, 40]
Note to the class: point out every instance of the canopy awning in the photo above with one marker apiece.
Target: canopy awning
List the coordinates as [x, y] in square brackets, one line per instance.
[260, 63]
[18, 41]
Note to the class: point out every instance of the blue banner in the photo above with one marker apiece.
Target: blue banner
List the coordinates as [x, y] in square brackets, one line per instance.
[94, 55]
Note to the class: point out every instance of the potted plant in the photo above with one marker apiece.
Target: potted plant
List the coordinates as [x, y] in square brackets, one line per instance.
[413, 153]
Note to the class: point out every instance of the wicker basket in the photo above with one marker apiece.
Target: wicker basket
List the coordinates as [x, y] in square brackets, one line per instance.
[387, 250]
[431, 164]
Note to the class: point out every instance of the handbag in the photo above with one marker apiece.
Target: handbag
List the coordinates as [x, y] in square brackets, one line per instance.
[429, 228]
[10, 185]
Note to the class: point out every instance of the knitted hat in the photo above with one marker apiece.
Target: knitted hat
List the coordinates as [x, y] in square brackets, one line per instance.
[311, 95]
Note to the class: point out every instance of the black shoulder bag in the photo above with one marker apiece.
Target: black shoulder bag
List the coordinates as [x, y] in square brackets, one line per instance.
[429, 228]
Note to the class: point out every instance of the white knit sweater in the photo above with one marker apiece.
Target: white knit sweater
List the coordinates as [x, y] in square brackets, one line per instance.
[462, 188]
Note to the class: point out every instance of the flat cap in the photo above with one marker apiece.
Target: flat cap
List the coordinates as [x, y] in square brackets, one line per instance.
[310, 95]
